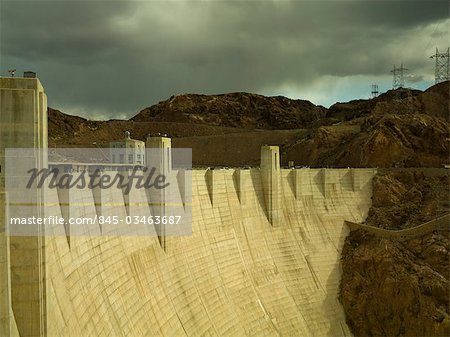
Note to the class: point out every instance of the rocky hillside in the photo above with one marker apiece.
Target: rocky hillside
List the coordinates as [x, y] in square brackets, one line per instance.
[404, 198]
[400, 128]
[434, 101]
[400, 288]
[67, 130]
[377, 140]
[243, 110]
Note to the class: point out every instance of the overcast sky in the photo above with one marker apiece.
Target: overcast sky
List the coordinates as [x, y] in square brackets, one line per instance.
[109, 59]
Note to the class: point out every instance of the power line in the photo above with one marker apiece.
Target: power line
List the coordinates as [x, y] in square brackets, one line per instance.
[430, 41]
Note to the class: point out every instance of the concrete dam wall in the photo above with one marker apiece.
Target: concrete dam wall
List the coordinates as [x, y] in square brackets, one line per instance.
[237, 275]
[262, 260]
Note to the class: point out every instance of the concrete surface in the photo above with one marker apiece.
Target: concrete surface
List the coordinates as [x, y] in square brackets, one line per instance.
[237, 275]
[263, 258]
[23, 124]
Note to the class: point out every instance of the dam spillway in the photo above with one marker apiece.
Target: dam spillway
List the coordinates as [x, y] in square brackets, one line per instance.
[262, 260]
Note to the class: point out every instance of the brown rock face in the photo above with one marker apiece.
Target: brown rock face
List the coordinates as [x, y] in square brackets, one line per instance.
[414, 140]
[400, 288]
[388, 290]
[68, 130]
[244, 110]
[405, 198]
[400, 128]
[433, 101]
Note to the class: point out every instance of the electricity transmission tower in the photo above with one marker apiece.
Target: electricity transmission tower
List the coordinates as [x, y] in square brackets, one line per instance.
[375, 91]
[441, 68]
[399, 79]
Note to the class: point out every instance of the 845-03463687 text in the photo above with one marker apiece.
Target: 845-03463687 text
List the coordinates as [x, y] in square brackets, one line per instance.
[102, 220]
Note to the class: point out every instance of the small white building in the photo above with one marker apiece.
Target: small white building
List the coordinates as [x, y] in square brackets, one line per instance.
[127, 151]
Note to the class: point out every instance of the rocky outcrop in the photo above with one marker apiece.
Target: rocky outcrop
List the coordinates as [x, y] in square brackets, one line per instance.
[391, 287]
[386, 140]
[68, 130]
[405, 198]
[402, 101]
[388, 289]
[244, 110]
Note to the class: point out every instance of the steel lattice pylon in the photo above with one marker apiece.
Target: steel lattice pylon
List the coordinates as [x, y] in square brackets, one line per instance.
[441, 72]
[399, 79]
[375, 91]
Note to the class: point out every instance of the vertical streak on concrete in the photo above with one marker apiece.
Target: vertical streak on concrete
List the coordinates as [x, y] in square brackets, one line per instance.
[125, 193]
[241, 178]
[64, 204]
[270, 176]
[323, 176]
[98, 200]
[302, 183]
[181, 183]
[330, 179]
[209, 178]
[356, 183]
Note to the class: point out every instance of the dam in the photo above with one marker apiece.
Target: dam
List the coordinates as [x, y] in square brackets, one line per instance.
[263, 258]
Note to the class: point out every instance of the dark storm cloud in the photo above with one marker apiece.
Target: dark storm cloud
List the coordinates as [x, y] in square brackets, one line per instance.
[64, 31]
[107, 58]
